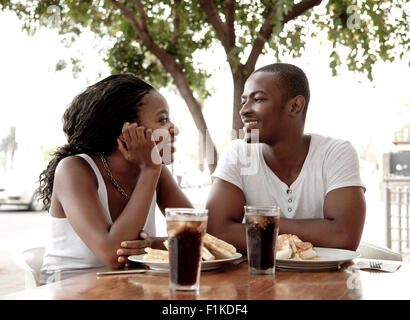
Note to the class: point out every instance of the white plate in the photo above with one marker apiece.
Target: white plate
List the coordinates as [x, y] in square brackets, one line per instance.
[328, 258]
[163, 265]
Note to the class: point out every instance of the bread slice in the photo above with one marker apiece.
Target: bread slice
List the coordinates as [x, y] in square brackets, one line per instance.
[308, 254]
[205, 254]
[219, 248]
[155, 255]
[283, 249]
[290, 246]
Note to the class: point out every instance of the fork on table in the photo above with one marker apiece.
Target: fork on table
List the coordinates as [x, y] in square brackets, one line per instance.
[375, 265]
[378, 265]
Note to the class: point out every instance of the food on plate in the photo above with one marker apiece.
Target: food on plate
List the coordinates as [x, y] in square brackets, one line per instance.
[155, 255]
[219, 248]
[205, 254]
[289, 246]
[213, 248]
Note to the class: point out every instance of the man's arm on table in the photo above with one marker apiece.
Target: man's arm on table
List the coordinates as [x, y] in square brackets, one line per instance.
[225, 213]
[344, 215]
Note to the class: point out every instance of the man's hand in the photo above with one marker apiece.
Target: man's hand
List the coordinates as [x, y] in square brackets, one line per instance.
[133, 247]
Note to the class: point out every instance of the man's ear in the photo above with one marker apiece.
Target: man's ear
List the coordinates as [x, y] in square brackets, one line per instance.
[297, 104]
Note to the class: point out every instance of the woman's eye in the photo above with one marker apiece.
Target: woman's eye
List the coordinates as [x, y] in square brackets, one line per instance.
[164, 120]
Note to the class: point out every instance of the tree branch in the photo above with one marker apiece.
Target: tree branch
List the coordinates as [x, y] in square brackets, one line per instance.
[128, 14]
[229, 8]
[300, 8]
[176, 23]
[169, 63]
[142, 31]
[142, 15]
[220, 28]
[266, 29]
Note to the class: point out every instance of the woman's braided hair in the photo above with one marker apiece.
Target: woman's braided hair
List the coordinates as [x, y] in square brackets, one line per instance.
[93, 122]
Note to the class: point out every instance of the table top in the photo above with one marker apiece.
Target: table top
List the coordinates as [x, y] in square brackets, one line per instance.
[233, 282]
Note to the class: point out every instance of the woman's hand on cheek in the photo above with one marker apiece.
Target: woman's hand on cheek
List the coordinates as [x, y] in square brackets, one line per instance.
[137, 146]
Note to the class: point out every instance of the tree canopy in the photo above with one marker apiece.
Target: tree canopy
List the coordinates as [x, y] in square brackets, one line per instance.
[160, 41]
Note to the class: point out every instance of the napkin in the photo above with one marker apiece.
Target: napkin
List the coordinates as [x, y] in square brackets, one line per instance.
[384, 266]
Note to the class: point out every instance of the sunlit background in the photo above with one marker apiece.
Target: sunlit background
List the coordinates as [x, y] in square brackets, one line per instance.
[33, 97]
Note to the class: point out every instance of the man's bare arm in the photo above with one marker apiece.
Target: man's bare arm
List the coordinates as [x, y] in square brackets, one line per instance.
[344, 215]
[342, 226]
[226, 208]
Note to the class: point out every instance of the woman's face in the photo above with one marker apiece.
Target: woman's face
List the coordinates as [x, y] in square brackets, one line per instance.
[154, 114]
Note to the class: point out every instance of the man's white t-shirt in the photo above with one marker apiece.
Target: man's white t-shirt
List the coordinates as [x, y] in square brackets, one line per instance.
[330, 164]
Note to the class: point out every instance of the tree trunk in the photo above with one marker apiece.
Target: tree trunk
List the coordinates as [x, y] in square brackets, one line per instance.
[238, 84]
[207, 149]
[174, 69]
[181, 82]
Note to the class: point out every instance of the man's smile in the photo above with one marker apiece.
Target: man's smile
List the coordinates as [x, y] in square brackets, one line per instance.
[250, 124]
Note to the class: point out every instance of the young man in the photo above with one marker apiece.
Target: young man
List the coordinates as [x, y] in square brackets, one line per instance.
[315, 180]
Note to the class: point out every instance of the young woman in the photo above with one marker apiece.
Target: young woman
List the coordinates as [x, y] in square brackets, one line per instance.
[102, 186]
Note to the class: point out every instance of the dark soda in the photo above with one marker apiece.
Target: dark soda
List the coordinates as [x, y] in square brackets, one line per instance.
[185, 244]
[261, 233]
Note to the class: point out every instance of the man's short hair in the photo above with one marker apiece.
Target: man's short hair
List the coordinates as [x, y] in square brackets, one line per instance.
[293, 81]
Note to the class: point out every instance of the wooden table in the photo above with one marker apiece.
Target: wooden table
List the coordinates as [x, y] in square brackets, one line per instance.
[233, 282]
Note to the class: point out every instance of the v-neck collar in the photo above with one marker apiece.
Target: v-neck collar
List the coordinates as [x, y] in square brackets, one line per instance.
[284, 186]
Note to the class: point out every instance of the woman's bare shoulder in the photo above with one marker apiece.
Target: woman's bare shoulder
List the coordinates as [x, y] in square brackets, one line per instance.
[75, 168]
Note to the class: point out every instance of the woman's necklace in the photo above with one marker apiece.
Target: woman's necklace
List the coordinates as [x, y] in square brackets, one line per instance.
[107, 168]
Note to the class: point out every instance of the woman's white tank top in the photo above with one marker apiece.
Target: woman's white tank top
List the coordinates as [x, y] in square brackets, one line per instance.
[66, 254]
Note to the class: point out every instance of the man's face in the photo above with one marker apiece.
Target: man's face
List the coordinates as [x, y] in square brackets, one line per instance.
[262, 107]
